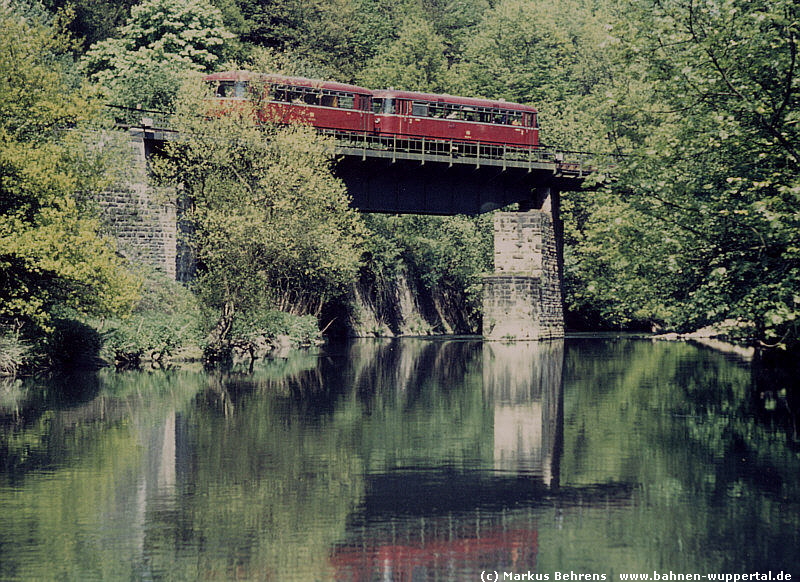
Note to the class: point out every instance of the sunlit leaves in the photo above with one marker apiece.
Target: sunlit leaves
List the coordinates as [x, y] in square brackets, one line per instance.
[161, 40]
[51, 253]
[714, 161]
[415, 61]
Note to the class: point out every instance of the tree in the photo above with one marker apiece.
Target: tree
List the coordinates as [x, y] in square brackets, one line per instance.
[52, 256]
[714, 165]
[415, 61]
[522, 51]
[338, 36]
[273, 229]
[446, 254]
[456, 21]
[162, 40]
[92, 20]
[724, 160]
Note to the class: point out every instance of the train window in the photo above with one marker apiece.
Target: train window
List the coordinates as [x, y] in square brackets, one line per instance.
[347, 101]
[311, 96]
[385, 106]
[453, 112]
[225, 89]
[329, 100]
[337, 99]
[527, 119]
[437, 110]
[285, 93]
[419, 109]
[278, 93]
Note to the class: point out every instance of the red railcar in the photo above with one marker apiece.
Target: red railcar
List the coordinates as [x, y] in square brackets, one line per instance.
[404, 114]
[323, 104]
[447, 117]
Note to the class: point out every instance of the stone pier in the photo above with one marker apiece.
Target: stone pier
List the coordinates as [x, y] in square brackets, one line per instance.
[523, 299]
[141, 218]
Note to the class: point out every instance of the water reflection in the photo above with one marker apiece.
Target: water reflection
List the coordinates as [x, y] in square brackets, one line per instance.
[404, 460]
[479, 509]
[523, 383]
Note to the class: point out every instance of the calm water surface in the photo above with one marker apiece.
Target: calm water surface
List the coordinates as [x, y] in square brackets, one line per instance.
[407, 460]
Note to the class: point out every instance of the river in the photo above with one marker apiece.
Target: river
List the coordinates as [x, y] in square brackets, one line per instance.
[412, 459]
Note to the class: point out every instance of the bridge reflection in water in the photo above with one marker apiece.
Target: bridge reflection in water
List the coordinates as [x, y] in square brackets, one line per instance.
[409, 459]
[444, 523]
[397, 460]
[523, 382]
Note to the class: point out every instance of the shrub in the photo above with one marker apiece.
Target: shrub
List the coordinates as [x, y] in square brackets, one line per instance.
[166, 319]
[151, 336]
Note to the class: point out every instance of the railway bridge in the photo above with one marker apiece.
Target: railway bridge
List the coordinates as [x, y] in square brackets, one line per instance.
[523, 298]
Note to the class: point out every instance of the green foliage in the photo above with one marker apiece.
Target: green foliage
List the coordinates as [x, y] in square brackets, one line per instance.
[51, 253]
[521, 52]
[148, 336]
[456, 21]
[446, 254]
[415, 61]
[610, 264]
[720, 160]
[339, 36]
[270, 325]
[93, 20]
[14, 353]
[71, 345]
[273, 227]
[165, 320]
[161, 41]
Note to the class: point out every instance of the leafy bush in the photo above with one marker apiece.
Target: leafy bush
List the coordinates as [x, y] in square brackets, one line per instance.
[147, 336]
[272, 324]
[166, 319]
[259, 332]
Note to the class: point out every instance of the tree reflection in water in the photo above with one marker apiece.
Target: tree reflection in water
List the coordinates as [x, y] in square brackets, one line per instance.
[407, 459]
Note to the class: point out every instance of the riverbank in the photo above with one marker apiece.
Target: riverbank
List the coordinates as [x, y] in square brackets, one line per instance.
[728, 336]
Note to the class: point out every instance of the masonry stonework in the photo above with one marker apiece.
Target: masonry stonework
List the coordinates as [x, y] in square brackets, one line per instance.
[141, 219]
[522, 299]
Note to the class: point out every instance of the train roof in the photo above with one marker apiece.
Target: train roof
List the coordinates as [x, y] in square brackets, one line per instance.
[284, 79]
[444, 98]
[380, 93]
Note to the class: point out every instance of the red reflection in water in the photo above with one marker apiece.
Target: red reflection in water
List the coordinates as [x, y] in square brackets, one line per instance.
[401, 562]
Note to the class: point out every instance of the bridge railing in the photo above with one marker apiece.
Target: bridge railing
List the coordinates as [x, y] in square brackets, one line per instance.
[366, 144]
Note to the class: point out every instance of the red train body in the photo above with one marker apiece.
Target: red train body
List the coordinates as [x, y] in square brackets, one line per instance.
[402, 114]
[409, 114]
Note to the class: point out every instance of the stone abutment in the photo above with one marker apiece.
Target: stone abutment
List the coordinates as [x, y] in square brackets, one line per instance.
[141, 218]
